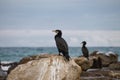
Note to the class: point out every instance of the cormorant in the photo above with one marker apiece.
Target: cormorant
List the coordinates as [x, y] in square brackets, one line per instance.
[61, 44]
[85, 50]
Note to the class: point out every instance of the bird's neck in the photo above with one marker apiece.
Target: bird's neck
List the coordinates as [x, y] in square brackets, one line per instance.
[84, 45]
[58, 35]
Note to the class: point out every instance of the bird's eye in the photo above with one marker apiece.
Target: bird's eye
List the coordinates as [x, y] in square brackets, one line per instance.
[56, 31]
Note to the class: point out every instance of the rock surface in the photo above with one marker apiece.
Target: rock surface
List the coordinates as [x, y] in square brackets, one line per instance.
[2, 74]
[115, 66]
[100, 74]
[49, 68]
[83, 62]
[98, 60]
[35, 57]
[106, 59]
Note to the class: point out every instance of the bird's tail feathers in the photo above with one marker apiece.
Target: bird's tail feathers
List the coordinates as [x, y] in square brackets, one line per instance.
[66, 55]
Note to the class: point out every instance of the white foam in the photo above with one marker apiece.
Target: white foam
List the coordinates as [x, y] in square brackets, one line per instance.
[5, 68]
[110, 52]
[100, 52]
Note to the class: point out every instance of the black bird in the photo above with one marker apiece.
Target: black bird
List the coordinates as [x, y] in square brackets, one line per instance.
[85, 50]
[61, 44]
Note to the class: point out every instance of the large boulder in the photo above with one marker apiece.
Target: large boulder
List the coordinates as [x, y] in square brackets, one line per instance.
[49, 68]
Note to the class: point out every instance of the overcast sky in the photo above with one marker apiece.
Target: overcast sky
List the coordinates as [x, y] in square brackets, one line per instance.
[30, 22]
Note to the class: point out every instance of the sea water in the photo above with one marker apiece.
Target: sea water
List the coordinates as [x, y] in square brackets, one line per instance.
[17, 53]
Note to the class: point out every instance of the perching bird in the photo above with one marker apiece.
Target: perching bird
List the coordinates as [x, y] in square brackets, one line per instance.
[85, 50]
[61, 44]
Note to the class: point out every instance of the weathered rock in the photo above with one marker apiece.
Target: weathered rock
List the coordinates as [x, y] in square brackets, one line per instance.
[115, 74]
[97, 63]
[106, 59]
[113, 57]
[27, 59]
[83, 62]
[35, 57]
[2, 74]
[115, 66]
[94, 53]
[49, 68]
[12, 66]
[99, 74]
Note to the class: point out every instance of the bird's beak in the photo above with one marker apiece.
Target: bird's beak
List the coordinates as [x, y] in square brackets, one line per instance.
[54, 31]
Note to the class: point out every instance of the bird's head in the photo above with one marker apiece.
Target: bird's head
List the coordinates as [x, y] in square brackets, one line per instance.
[84, 42]
[58, 32]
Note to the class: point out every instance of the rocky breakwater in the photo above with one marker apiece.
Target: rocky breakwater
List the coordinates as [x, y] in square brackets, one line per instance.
[106, 58]
[100, 66]
[45, 67]
[96, 60]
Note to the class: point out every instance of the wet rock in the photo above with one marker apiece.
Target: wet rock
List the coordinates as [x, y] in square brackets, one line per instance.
[94, 53]
[98, 74]
[97, 63]
[2, 74]
[115, 66]
[106, 59]
[115, 74]
[94, 75]
[113, 57]
[49, 68]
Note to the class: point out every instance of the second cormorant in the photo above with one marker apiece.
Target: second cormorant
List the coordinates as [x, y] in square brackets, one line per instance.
[85, 50]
